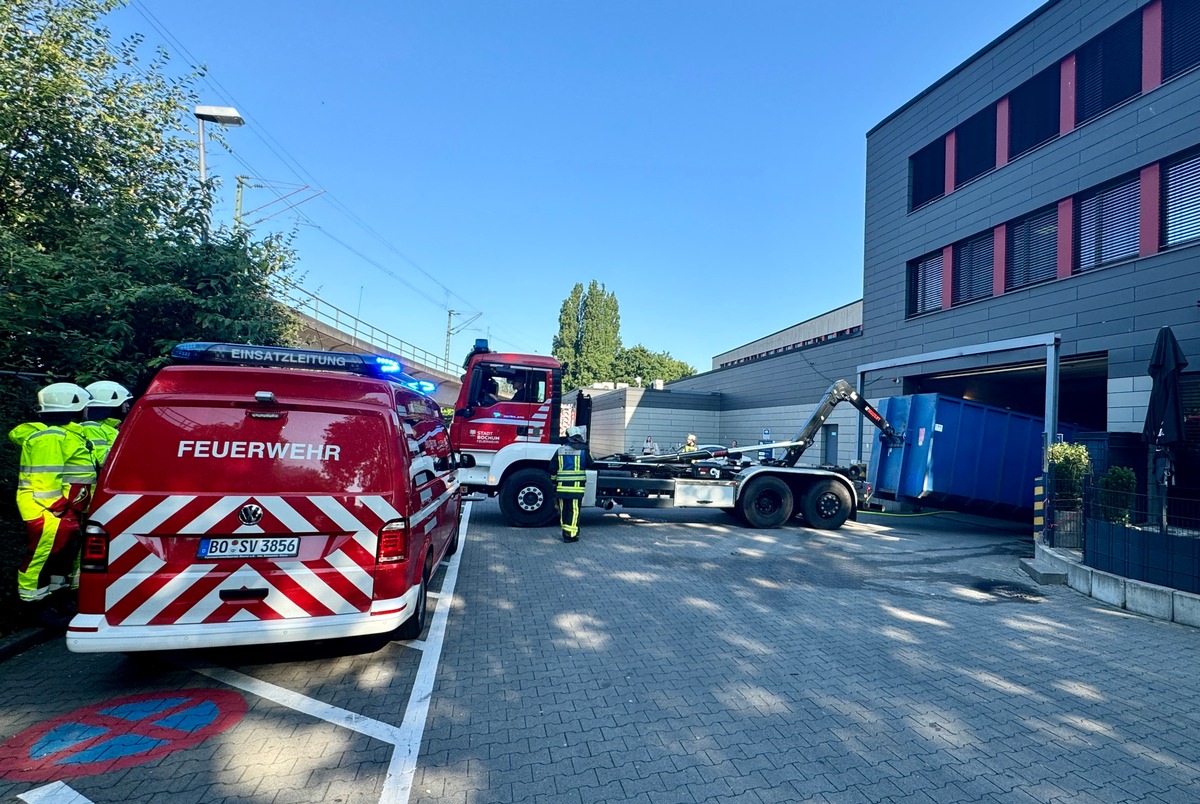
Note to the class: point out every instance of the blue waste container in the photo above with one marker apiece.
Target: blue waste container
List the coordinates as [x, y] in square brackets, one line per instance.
[960, 455]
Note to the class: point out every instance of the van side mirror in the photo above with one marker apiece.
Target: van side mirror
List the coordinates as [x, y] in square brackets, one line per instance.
[465, 461]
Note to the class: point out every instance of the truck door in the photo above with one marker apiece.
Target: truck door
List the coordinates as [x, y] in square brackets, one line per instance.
[506, 405]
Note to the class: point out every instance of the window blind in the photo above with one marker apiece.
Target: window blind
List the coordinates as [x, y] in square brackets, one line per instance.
[1106, 224]
[972, 269]
[1108, 69]
[1181, 201]
[925, 284]
[1032, 250]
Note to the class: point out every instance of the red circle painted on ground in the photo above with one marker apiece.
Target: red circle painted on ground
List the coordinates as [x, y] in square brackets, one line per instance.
[118, 733]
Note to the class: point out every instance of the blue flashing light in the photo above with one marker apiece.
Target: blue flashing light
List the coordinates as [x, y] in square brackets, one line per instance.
[388, 366]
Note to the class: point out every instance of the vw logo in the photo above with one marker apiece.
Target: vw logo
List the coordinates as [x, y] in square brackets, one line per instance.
[250, 514]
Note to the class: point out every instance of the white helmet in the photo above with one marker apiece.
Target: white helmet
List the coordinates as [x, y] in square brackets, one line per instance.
[108, 394]
[63, 397]
[575, 432]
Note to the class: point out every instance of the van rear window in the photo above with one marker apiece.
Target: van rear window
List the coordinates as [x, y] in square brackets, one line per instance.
[198, 449]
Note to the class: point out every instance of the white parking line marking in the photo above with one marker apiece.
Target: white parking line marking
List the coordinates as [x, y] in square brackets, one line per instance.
[404, 739]
[54, 793]
[398, 786]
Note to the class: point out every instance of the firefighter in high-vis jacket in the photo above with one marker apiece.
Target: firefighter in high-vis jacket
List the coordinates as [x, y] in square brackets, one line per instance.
[108, 408]
[570, 481]
[56, 475]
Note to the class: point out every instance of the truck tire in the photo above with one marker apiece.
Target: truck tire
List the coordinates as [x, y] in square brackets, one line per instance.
[452, 547]
[826, 505]
[414, 625]
[527, 499]
[766, 503]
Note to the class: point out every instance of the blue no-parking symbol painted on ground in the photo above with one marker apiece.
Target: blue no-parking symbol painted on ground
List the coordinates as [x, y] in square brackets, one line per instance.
[119, 733]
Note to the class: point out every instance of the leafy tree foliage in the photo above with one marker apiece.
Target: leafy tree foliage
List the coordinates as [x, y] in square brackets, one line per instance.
[588, 344]
[84, 129]
[566, 343]
[639, 362]
[105, 256]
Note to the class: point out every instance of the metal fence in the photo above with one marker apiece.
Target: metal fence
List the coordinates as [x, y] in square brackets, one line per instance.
[1070, 513]
[360, 331]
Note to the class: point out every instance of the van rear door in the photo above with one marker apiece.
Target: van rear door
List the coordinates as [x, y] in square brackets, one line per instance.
[228, 511]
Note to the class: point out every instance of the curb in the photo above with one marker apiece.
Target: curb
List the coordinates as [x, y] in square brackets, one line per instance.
[1139, 597]
[20, 641]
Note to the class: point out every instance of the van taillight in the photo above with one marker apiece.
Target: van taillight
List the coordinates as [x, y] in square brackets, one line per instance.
[393, 542]
[95, 549]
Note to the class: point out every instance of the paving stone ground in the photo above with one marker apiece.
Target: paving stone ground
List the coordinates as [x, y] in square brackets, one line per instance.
[678, 657]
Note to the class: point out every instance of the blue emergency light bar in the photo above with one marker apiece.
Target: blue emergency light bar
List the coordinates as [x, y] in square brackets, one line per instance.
[241, 354]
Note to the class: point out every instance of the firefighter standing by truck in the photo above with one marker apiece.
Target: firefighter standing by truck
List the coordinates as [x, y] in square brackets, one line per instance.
[109, 406]
[56, 474]
[570, 481]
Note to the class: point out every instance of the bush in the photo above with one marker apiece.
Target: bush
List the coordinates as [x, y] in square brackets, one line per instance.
[1069, 464]
[1117, 488]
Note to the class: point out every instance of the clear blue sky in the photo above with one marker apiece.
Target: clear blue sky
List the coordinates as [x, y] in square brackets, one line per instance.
[704, 160]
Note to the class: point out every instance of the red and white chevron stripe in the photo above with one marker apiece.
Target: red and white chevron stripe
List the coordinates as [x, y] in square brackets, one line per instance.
[154, 577]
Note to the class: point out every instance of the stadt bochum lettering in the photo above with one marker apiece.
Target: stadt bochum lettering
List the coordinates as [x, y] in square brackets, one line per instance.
[259, 449]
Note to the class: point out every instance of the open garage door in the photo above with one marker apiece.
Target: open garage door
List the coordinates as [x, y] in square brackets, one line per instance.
[1082, 383]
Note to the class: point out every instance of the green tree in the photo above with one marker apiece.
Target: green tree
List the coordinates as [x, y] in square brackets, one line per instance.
[589, 335]
[107, 258]
[565, 346]
[588, 344]
[599, 334]
[638, 361]
[85, 129]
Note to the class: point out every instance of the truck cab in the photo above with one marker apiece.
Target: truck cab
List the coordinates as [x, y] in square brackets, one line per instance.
[508, 417]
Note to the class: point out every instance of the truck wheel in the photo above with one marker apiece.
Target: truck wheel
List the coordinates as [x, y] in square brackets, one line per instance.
[414, 625]
[452, 547]
[527, 499]
[766, 503]
[826, 505]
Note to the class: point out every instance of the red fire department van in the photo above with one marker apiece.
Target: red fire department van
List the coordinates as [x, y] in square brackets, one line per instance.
[261, 495]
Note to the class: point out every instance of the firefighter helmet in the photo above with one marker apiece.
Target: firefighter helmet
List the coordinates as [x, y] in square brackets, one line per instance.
[108, 394]
[63, 397]
[575, 433]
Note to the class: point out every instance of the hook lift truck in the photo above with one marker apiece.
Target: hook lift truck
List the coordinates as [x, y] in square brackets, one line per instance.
[508, 417]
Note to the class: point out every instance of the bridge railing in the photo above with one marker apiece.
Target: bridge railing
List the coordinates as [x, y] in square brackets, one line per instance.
[313, 306]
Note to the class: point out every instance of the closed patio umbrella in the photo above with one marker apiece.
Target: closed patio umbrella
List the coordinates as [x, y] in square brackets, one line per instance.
[1164, 415]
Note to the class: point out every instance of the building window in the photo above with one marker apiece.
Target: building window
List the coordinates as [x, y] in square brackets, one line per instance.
[1032, 249]
[972, 269]
[1108, 69]
[1033, 110]
[1181, 36]
[927, 174]
[1181, 200]
[925, 284]
[1106, 224]
[975, 146]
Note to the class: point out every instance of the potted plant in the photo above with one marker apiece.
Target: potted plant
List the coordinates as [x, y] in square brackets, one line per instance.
[1069, 463]
[1117, 487]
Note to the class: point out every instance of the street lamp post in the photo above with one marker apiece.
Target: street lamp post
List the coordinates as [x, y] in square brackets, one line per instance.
[225, 115]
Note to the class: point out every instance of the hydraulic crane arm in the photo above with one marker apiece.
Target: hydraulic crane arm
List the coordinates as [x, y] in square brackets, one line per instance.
[840, 391]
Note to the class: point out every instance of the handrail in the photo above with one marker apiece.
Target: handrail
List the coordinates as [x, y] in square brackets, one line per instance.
[360, 331]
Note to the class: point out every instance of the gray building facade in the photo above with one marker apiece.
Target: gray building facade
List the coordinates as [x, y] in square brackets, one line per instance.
[1049, 185]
